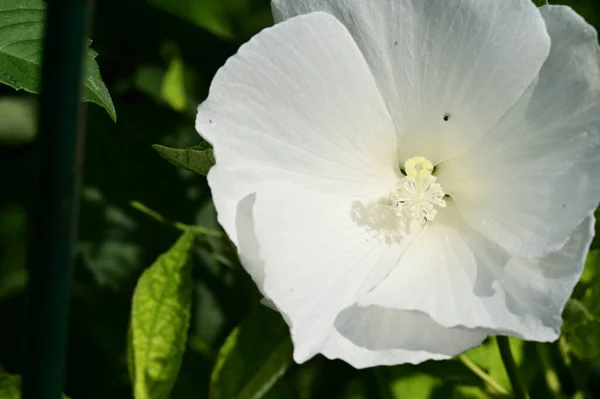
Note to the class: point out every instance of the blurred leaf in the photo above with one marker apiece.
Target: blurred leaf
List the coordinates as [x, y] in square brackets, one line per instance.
[540, 3]
[355, 389]
[12, 282]
[13, 237]
[590, 270]
[408, 381]
[464, 392]
[10, 386]
[18, 120]
[21, 43]
[254, 356]
[405, 382]
[581, 317]
[208, 14]
[160, 318]
[173, 85]
[198, 159]
[234, 20]
[148, 79]
[129, 355]
[581, 329]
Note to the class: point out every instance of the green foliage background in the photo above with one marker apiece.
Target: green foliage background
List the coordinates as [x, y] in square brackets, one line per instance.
[212, 338]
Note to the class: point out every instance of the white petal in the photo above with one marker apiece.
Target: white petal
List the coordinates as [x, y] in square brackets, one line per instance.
[321, 252]
[459, 278]
[469, 58]
[374, 336]
[534, 177]
[298, 103]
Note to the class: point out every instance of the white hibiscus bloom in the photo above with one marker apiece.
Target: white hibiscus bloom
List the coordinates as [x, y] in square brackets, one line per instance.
[403, 178]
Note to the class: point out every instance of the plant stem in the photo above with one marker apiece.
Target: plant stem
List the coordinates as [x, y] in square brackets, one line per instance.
[485, 377]
[552, 380]
[519, 391]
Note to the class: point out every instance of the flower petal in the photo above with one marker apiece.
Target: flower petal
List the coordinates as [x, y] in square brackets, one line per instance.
[469, 59]
[459, 278]
[298, 103]
[321, 253]
[534, 176]
[374, 336]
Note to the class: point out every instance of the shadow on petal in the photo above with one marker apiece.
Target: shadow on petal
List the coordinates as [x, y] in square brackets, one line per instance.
[377, 328]
[378, 218]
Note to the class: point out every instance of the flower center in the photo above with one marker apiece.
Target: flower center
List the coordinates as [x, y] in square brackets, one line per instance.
[418, 194]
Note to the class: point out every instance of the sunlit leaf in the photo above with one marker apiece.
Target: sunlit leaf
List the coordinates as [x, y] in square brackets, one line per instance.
[407, 381]
[487, 356]
[254, 356]
[160, 318]
[173, 85]
[198, 159]
[10, 386]
[21, 42]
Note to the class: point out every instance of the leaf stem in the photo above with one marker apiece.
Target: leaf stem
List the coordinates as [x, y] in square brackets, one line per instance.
[178, 225]
[485, 377]
[552, 380]
[519, 391]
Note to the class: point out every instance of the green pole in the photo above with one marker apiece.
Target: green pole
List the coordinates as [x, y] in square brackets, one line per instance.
[54, 223]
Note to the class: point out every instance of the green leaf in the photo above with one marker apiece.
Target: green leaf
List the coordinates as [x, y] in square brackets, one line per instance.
[10, 386]
[408, 381]
[173, 85]
[160, 318]
[487, 356]
[581, 329]
[540, 3]
[208, 14]
[254, 356]
[581, 317]
[198, 159]
[236, 20]
[21, 42]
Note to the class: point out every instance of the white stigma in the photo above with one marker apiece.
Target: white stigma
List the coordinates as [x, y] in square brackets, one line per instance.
[418, 194]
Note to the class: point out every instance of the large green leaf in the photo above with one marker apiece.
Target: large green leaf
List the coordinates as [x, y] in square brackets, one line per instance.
[254, 356]
[160, 318]
[21, 42]
[198, 159]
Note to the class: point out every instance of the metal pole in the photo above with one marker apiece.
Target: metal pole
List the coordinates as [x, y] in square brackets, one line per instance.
[54, 223]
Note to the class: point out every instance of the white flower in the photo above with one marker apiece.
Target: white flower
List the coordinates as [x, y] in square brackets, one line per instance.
[403, 178]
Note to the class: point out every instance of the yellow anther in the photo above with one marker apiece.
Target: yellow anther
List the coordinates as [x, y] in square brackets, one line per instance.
[424, 173]
[418, 167]
[426, 164]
